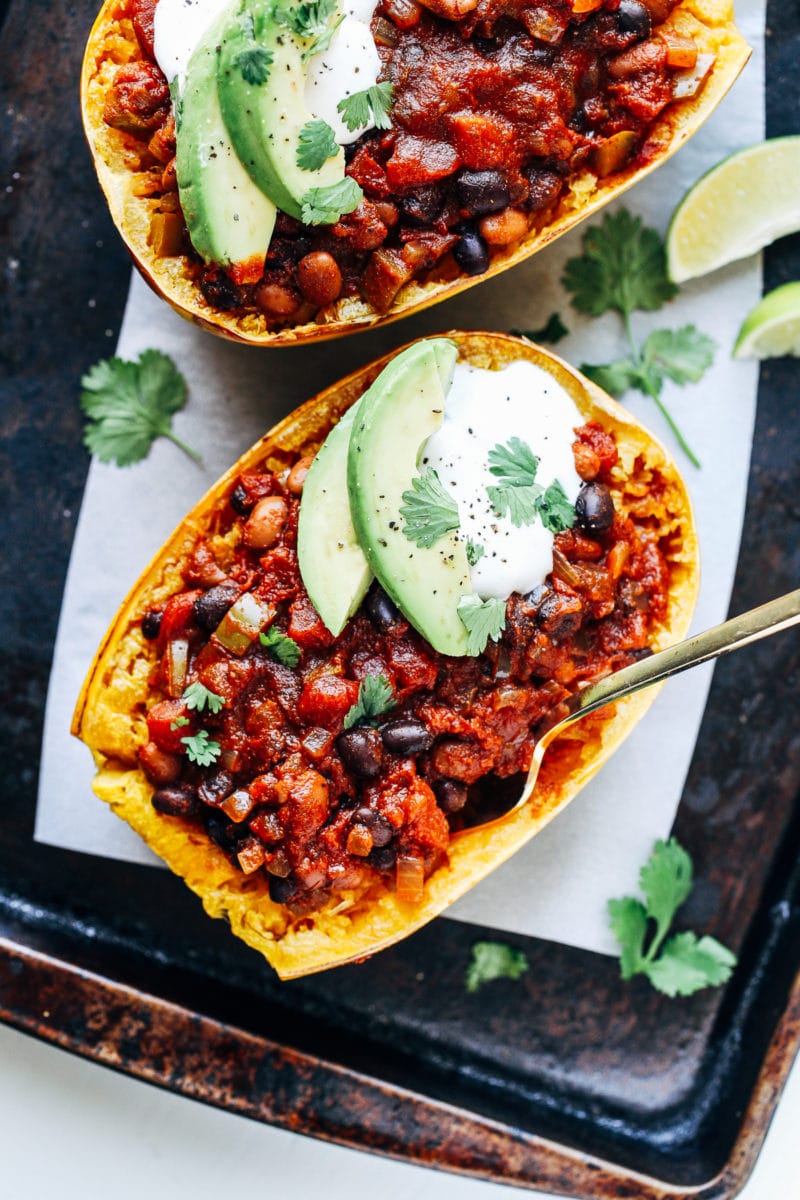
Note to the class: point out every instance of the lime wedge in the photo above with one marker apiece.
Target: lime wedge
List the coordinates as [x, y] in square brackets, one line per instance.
[738, 207]
[772, 328]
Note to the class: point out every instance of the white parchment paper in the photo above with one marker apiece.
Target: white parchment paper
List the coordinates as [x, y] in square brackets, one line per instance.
[557, 887]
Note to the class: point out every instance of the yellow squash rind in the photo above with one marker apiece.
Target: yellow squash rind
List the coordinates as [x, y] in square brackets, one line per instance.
[118, 161]
[110, 714]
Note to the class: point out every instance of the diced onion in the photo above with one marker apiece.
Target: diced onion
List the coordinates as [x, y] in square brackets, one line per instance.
[177, 666]
[410, 878]
[686, 84]
[242, 623]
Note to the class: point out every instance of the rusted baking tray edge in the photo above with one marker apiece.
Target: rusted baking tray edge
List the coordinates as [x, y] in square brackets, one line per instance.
[203, 1059]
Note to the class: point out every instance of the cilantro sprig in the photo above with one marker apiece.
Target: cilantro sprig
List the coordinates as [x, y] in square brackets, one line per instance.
[316, 144]
[493, 960]
[375, 697]
[200, 749]
[475, 552]
[130, 404]
[519, 495]
[679, 965]
[325, 205]
[482, 619]
[373, 104]
[623, 269]
[281, 647]
[254, 62]
[198, 698]
[428, 511]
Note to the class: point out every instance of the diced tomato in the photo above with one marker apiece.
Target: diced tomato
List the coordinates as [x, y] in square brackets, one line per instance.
[177, 617]
[326, 699]
[143, 15]
[595, 437]
[367, 171]
[161, 718]
[481, 141]
[281, 578]
[412, 664]
[419, 160]
[305, 626]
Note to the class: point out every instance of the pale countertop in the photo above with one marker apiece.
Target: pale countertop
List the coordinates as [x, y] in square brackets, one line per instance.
[72, 1129]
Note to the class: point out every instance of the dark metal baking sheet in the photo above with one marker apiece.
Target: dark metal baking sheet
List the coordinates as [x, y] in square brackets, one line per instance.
[567, 1079]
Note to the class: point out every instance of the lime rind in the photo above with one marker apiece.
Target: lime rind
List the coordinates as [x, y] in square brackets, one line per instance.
[772, 328]
[741, 205]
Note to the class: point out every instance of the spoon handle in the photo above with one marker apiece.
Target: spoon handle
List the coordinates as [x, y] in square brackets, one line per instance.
[730, 635]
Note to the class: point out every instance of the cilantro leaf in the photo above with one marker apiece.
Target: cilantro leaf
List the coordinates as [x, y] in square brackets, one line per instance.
[623, 267]
[554, 509]
[482, 619]
[306, 20]
[130, 404]
[254, 63]
[629, 926]
[281, 647]
[616, 377]
[683, 964]
[198, 697]
[553, 330]
[475, 552]
[317, 143]
[518, 502]
[493, 960]
[373, 104]
[666, 880]
[325, 205]
[428, 511]
[683, 355]
[687, 964]
[375, 697]
[179, 723]
[322, 41]
[514, 463]
[201, 750]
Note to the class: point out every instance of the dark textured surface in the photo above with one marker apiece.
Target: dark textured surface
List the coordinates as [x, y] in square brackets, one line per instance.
[568, 1052]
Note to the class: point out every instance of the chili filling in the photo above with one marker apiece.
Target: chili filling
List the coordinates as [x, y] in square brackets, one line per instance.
[496, 104]
[286, 788]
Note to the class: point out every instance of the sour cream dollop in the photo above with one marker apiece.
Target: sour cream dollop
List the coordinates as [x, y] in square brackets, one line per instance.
[350, 63]
[485, 409]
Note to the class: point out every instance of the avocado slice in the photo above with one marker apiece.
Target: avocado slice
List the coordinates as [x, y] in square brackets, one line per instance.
[335, 571]
[230, 221]
[261, 86]
[396, 416]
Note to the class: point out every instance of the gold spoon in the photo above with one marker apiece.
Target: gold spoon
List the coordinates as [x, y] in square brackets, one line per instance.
[713, 643]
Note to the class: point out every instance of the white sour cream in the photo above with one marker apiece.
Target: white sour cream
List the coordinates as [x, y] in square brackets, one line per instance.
[179, 26]
[350, 64]
[484, 409]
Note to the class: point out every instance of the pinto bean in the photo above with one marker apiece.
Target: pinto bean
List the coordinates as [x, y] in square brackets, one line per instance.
[319, 278]
[158, 765]
[502, 228]
[263, 526]
[644, 56]
[297, 475]
[276, 300]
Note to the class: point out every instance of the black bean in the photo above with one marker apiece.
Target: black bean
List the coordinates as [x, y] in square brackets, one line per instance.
[638, 655]
[361, 751]
[594, 508]
[151, 623]
[537, 595]
[382, 858]
[472, 254]
[451, 794]
[633, 17]
[219, 289]
[240, 501]
[209, 609]
[481, 192]
[545, 187]
[176, 801]
[222, 831]
[282, 890]
[422, 206]
[379, 826]
[380, 609]
[406, 735]
[215, 787]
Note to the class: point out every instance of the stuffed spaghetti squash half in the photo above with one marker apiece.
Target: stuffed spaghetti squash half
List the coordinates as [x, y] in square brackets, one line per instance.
[308, 703]
[286, 172]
